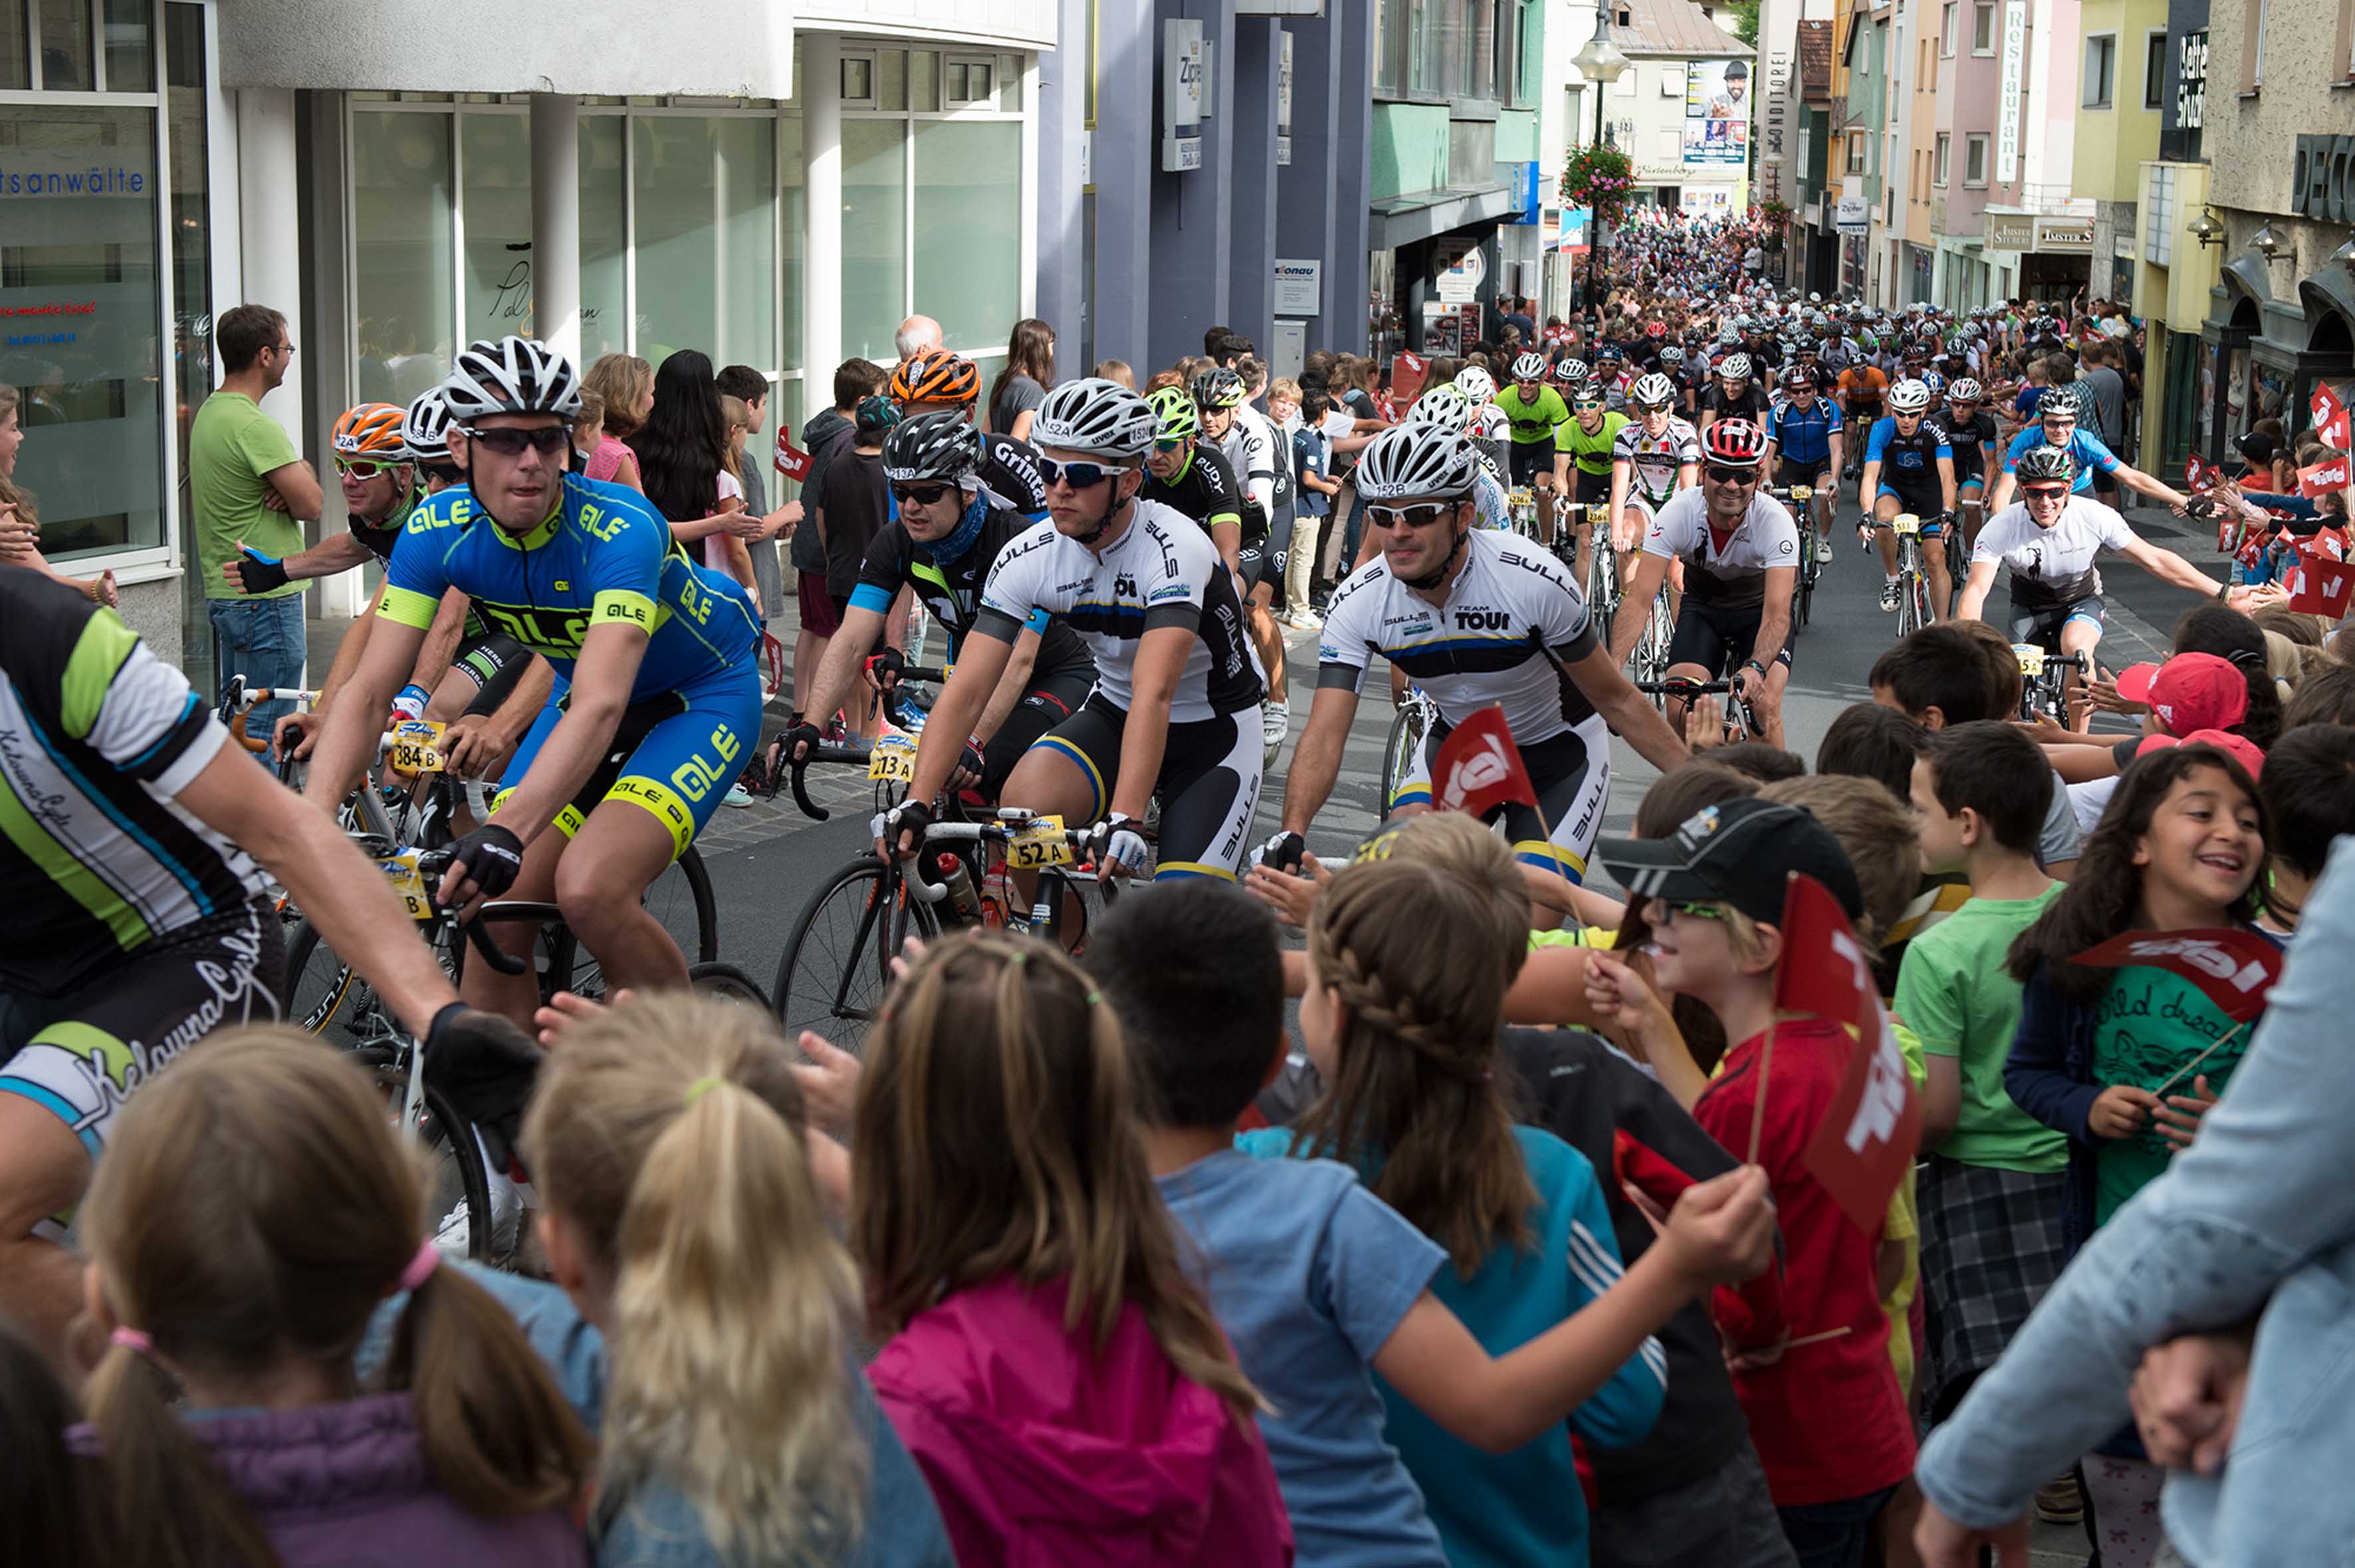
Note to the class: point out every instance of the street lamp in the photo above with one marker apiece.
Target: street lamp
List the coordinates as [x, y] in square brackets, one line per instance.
[2206, 230]
[2265, 243]
[1601, 62]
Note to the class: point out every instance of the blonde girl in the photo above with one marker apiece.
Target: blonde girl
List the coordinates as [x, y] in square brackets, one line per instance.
[1063, 1386]
[254, 1209]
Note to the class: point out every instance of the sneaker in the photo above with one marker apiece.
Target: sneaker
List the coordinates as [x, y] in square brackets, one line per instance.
[1889, 597]
[1276, 723]
[738, 797]
[2059, 1502]
[1308, 620]
[1823, 549]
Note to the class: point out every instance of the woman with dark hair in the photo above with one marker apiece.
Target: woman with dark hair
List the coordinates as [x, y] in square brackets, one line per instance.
[1022, 386]
[682, 451]
[2220, 630]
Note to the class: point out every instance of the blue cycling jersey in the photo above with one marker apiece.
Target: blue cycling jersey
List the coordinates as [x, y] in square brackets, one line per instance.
[1906, 459]
[603, 557]
[1804, 435]
[2087, 448]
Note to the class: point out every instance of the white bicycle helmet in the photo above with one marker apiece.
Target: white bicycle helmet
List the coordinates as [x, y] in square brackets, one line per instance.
[1963, 390]
[1444, 408]
[1672, 356]
[1528, 368]
[512, 376]
[1478, 385]
[1417, 460]
[425, 429]
[1652, 391]
[1734, 368]
[1095, 416]
[2061, 403]
[1908, 397]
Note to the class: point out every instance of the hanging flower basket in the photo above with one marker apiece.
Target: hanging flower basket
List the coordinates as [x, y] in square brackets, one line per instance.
[1775, 211]
[1599, 177]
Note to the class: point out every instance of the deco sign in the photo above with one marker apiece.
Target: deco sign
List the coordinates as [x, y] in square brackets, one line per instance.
[2322, 179]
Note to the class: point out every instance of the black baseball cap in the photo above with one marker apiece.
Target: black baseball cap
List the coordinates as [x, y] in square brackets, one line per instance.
[1740, 851]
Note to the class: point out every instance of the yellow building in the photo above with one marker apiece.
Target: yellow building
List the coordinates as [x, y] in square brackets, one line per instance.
[2121, 87]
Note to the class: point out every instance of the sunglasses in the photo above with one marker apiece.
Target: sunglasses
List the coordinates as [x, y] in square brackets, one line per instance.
[545, 439]
[2043, 491]
[1078, 475]
[1724, 474]
[1413, 517]
[1588, 405]
[361, 467]
[922, 494]
[1169, 443]
[1696, 911]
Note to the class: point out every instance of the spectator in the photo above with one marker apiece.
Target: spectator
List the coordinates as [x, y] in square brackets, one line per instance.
[2308, 786]
[743, 381]
[1516, 316]
[917, 335]
[682, 451]
[1118, 370]
[248, 485]
[1868, 740]
[851, 510]
[1312, 447]
[2107, 390]
[1022, 386]
[735, 555]
[20, 520]
[627, 383]
[827, 433]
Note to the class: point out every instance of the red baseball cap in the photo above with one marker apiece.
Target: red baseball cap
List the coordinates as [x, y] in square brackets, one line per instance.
[2243, 749]
[2189, 691]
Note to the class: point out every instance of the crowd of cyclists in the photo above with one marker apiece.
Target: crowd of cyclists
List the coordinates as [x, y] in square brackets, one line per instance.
[1505, 1248]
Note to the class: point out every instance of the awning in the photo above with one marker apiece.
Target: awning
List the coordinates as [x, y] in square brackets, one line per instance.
[1403, 220]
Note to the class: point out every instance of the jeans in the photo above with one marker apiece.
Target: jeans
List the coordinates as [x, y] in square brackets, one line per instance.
[1833, 1535]
[260, 639]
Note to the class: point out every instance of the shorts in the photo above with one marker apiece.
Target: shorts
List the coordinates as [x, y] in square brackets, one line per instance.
[1591, 489]
[1208, 786]
[1528, 459]
[1571, 775]
[82, 1054]
[496, 663]
[2043, 625]
[1927, 509]
[674, 755]
[1277, 554]
[1049, 701]
[1719, 637]
[1724, 1518]
[821, 612]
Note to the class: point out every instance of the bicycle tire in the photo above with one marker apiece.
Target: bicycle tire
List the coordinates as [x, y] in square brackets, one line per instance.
[565, 965]
[441, 1130]
[1402, 747]
[727, 983]
[836, 1000]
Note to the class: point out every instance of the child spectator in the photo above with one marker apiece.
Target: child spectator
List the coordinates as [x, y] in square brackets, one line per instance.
[54, 1500]
[1312, 452]
[1868, 740]
[2309, 790]
[1062, 1382]
[831, 432]
[224, 1409]
[1116, 371]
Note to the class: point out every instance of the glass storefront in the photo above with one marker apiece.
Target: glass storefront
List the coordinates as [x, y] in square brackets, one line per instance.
[706, 239]
[402, 231]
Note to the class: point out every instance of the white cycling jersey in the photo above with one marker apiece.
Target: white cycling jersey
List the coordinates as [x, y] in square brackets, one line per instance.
[2052, 566]
[1656, 459]
[1491, 505]
[1479, 647]
[1163, 570]
[1729, 571]
[1490, 422]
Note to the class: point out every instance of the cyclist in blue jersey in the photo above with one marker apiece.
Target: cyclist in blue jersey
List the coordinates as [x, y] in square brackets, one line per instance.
[1805, 433]
[1908, 468]
[2057, 425]
[654, 658]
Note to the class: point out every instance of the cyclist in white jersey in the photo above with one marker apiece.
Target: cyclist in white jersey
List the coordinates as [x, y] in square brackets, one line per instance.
[1470, 614]
[1175, 713]
[1655, 455]
[1262, 458]
[1741, 553]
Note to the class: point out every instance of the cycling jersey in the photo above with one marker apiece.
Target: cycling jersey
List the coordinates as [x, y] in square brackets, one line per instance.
[1751, 405]
[1205, 489]
[1477, 649]
[1863, 385]
[1968, 442]
[1492, 507]
[1656, 459]
[1591, 454]
[1909, 463]
[1803, 436]
[377, 539]
[1009, 471]
[1161, 572]
[1826, 382]
[1251, 449]
[1730, 570]
[2085, 446]
[951, 591]
[1535, 421]
[1491, 423]
[2052, 567]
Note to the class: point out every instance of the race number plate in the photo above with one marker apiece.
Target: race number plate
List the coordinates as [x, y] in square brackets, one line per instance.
[409, 883]
[893, 759]
[1039, 842]
[1803, 492]
[2031, 659]
[1906, 523]
[417, 747]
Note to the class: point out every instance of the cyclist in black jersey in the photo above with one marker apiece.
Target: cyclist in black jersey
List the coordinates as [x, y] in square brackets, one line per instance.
[1193, 477]
[1735, 396]
[949, 533]
[1970, 433]
[939, 382]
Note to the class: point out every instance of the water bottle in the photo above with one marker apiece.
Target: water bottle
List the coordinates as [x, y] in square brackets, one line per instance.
[951, 872]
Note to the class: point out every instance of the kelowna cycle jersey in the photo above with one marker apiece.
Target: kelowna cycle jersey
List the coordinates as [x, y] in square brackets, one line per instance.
[97, 735]
[1205, 489]
[1591, 454]
[1909, 463]
[1480, 647]
[603, 557]
[1009, 470]
[1730, 570]
[2054, 566]
[1968, 441]
[1536, 419]
[952, 590]
[1161, 572]
[1803, 436]
[1656, 459]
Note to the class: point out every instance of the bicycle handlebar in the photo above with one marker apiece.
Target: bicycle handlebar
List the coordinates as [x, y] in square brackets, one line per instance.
[1680, 685]
[821, 754]
[432, 865]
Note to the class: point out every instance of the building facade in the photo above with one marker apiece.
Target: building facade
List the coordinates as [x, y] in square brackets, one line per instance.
[1683, 111]
[2003, 221]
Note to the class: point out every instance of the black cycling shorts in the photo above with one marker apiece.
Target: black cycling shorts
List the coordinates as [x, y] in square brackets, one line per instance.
[1594, 489]
[1525, 460]
[1719, 637]
[1208, 786]
[1050, 700]
[2043, 624]
[1570, 774]
[496, 663]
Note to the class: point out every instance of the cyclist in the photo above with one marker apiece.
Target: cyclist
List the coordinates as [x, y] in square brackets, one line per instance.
[1611, 367]
[1469, 614]
[1176, 681]
[1908, 468]
[1803, 431]
[1535, 411]
[1583, 445]
[1862, 386]
[1192, 476]
[1735, 396]
[1673, 366]
[1807, 357]
[1491, 427]
[1741, 553]
[2047, 542]
[950, 531]
[1263, 464]
[657, 657]
[134, 842]
[939, 382]
[1655, 455]
[1969, 430]
[2058, 416]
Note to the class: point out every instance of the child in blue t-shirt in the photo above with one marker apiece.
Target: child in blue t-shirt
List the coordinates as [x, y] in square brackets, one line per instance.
[1320, 1283]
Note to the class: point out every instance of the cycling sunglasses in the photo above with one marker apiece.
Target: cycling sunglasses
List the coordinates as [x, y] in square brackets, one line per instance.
[1726, 475]
[363, 468]
[1078, 475]
[547, 439]
[1169, 443]
[1585, 403]
[922, 494]
[1413, 517]
[2043, 491]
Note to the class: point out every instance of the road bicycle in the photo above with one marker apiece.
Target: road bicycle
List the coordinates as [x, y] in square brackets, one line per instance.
[1800, 499]
[2046, 676]
[1410, 725]
[1913, 585]
[1598, 575]
[1741, 719]
[1648, 664]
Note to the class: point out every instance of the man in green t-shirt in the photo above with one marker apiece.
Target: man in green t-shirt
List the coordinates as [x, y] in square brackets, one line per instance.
[248, 485]
[1992, 1180]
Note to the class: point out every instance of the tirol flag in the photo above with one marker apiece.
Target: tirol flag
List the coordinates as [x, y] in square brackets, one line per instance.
[2321, 587]
[2320, 479]
[791, 460]
[2330, 420]
[1865, 1142]
[1407, 372]
[2233, 969]
[1479, 768]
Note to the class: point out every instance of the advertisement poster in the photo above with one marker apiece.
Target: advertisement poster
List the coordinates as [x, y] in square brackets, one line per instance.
[1717, 114]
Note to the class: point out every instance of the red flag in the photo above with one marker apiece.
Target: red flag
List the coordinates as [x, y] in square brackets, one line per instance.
[2330, 420]
[1479, 769]
[2321, 478]
[2197, 475]
[1865, 1142]
[1407, 372]
[2320, 586]
[2233, 969]
[791, 460]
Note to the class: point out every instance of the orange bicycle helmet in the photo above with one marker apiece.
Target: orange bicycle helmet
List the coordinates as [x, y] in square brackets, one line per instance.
[372, 430]
[936, 375]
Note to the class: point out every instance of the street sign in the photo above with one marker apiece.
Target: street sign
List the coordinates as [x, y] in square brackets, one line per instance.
[1300, 287]
[1182, 72]
[1854, 215]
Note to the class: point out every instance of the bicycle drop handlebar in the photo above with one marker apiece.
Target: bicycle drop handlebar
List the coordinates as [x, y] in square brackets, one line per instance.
[432, 865]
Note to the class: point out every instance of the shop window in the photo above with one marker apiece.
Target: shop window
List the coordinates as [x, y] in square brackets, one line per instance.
[970, 82]
[793, 224]
[192, 293]
[874, 236]
[891, 79]
[968, 229]
[129, 46]
[16, 50]
[605, 237]
[401, 236]
[924, 81]
[858, 80]
[67, 62]
[706, 189]
[495, 196]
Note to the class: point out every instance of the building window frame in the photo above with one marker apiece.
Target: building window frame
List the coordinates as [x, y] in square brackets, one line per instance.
[2154, 69]
[2252, 47]
[1949, 29]
[1983, 31]
[1942, 165]
[2098, 73]
[1975, 146]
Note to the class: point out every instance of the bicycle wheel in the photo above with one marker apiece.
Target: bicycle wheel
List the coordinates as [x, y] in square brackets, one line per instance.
[727, 983]
[1402, 748]
[837, 964]
[458, 1184]
[1602, 582]
[681, 898]
[1909, 603]
[322, 995]
[1804, 596]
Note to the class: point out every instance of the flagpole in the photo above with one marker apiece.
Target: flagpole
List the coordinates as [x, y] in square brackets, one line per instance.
[1758, 1110]
[2203, 1056]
